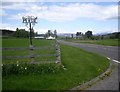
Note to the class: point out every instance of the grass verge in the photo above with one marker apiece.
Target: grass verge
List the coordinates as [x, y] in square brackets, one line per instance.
[80, 66]
[108, 42]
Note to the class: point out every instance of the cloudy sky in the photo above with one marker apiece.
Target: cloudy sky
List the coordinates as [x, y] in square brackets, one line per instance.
[65, 17]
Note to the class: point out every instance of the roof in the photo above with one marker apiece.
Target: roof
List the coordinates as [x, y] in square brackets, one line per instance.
[50, 38]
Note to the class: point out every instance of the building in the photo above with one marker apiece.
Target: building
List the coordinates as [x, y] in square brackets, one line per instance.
[79, 35]
[40, 36]
[50, 38]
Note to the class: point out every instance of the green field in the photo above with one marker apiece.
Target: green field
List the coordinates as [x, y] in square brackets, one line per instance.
[80, 66]
[18, 42]
[109, 42]
[21, 43]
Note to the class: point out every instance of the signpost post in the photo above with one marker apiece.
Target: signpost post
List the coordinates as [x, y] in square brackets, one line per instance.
[30, 22]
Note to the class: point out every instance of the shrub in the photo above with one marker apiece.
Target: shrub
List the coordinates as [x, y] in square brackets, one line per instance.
[14, 69]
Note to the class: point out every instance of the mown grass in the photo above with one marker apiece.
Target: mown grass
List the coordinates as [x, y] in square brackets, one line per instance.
[15, 52]
[18, 42]
[21, 43]
[27, 52]
[80, 66]
[110, 42]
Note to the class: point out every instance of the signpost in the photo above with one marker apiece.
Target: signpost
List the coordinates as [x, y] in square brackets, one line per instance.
[30, 22]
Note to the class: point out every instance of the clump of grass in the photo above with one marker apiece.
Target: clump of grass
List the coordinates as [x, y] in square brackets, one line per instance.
[25, 69]
[111, 42]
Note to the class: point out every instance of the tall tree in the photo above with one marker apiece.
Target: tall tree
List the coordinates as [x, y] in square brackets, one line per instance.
[72, 36]
[17, 29]
[21, 33]
[79, 34]
[55, 33]
[88, 34]
[49, 32]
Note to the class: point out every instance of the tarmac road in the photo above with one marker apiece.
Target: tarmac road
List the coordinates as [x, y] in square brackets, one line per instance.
[108, 51]
[111, 52]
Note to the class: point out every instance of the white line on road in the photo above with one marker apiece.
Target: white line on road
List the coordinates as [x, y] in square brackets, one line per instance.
[113, 60]
[116, 61]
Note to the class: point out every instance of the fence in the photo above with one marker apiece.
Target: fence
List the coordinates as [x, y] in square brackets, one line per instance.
[36, 54]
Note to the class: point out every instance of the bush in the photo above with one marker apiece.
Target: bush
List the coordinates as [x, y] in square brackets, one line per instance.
[14, 69]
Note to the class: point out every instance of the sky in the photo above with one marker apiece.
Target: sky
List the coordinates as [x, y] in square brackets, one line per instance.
[65, 17]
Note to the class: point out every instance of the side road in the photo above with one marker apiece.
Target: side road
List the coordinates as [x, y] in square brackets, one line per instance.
[111, 52]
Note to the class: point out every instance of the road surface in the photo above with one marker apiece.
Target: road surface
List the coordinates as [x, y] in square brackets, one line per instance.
[111, 52]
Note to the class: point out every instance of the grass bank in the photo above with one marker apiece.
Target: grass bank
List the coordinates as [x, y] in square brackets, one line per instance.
[80, 66]
[108, 42]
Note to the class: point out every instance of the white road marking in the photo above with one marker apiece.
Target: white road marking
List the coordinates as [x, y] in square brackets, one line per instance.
[113, 60]
[116, 61]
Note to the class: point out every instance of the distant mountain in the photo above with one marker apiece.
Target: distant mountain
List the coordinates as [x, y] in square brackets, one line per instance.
[105, 33]
[66, 34]
[6, 32]
[74, 34]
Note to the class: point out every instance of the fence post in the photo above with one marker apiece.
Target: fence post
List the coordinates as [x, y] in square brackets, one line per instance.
[58, 60]
[32, 56]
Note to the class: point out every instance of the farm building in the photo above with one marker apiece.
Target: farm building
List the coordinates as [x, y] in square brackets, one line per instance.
[40, 36]
[50, 38]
